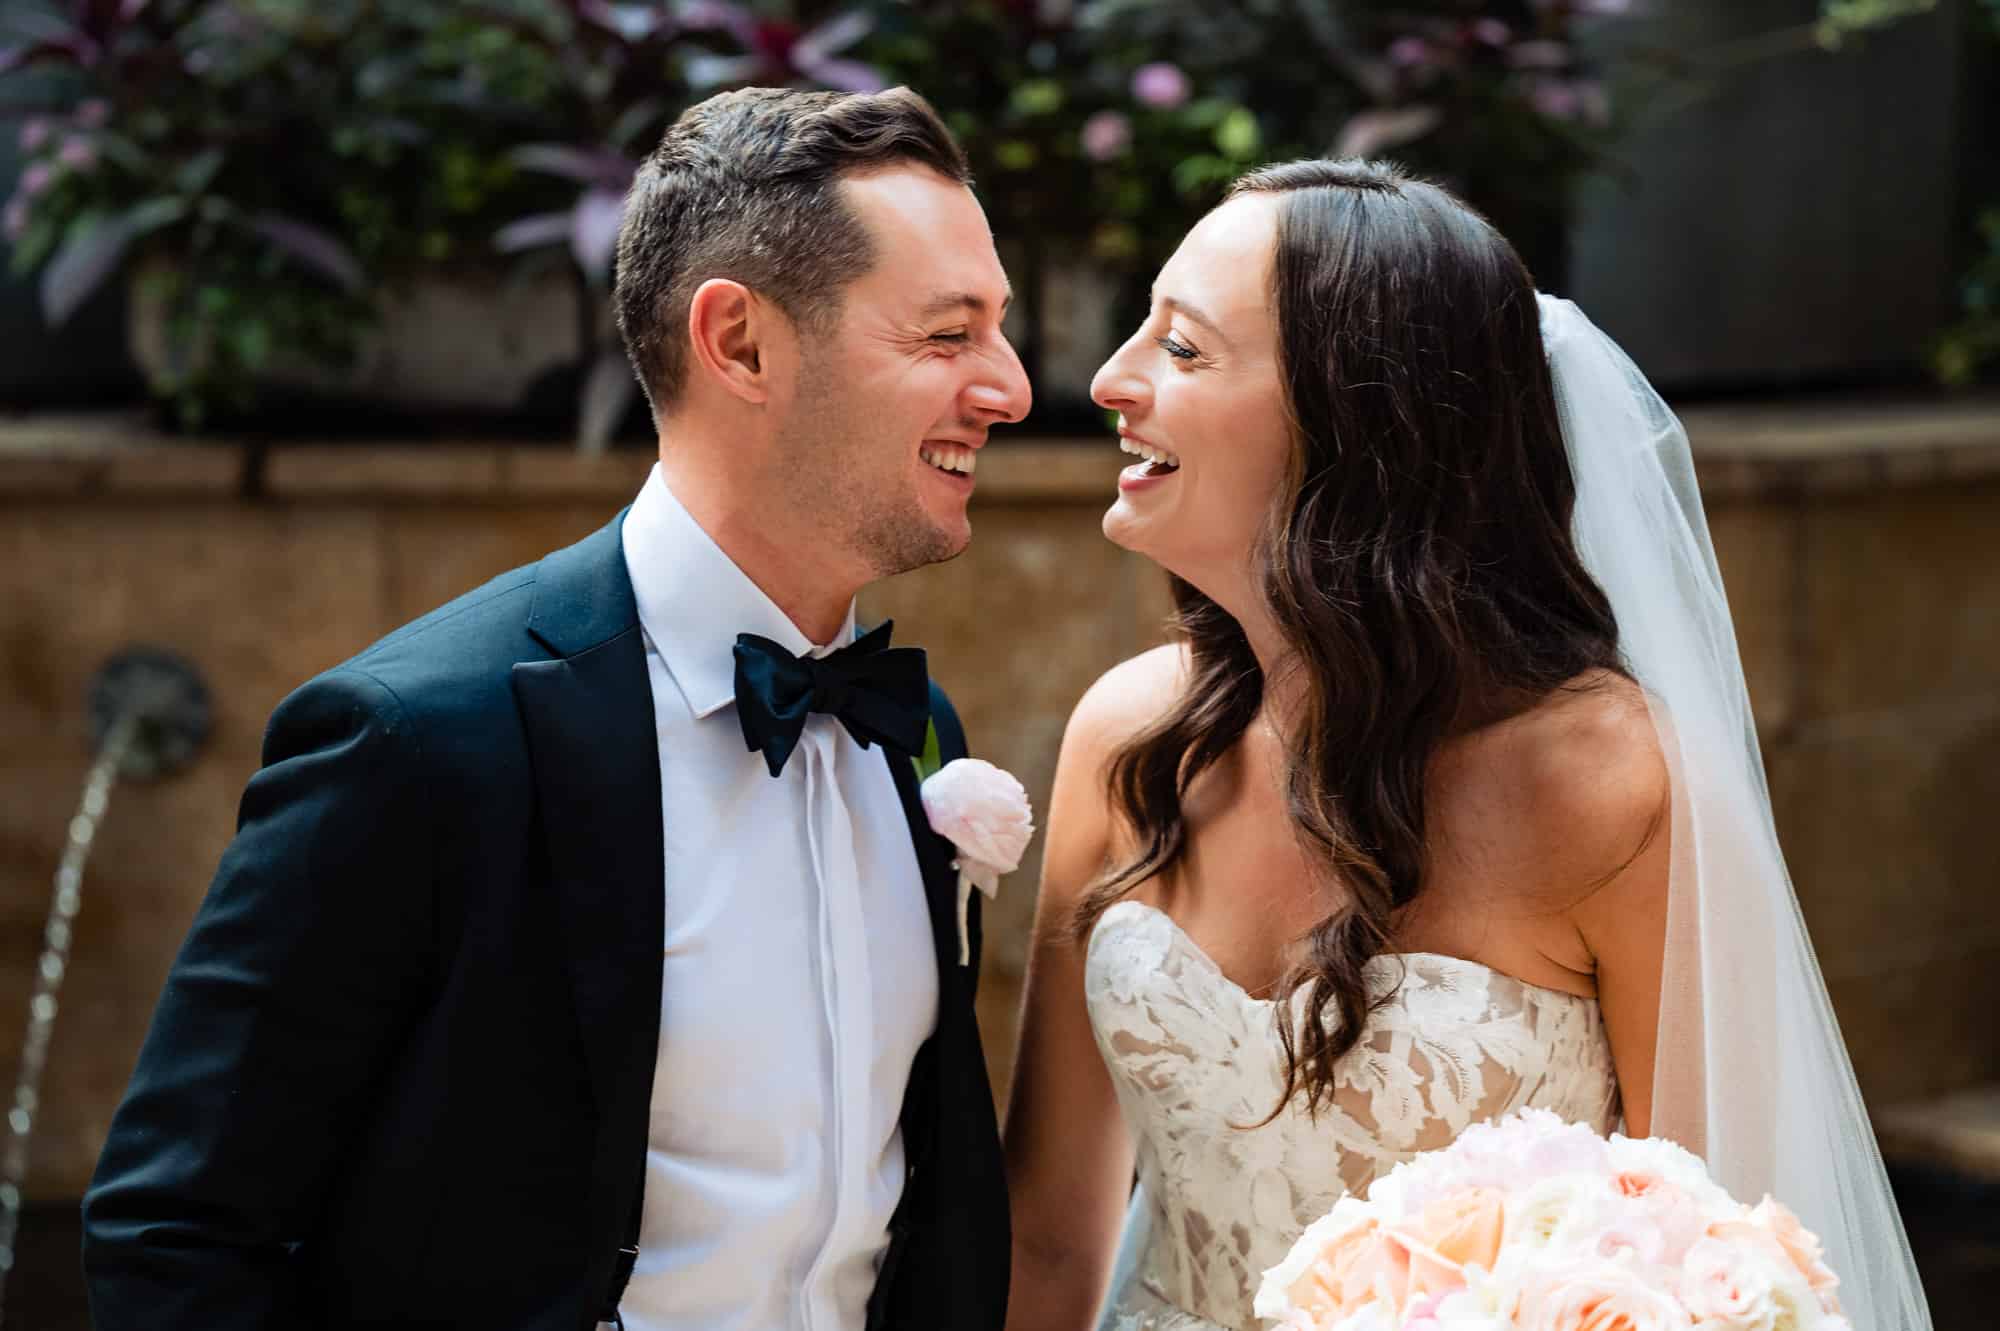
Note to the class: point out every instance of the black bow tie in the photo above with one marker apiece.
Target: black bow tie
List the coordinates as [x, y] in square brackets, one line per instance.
[880, 694]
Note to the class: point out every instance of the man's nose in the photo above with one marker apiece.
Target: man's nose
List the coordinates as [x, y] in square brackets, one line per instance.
[1003, 392]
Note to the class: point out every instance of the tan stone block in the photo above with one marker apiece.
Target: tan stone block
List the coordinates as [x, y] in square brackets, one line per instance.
[183, 468]
[435, 553]
[1013, 471]
[1923, 1029]
[305, 471]
[1756, 549]
[550, 474]
[999, 1011]
[1903, 599]
[1887, 826]
[156, 850]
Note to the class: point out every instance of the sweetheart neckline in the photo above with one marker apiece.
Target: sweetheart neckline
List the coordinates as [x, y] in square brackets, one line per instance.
[1248, 997]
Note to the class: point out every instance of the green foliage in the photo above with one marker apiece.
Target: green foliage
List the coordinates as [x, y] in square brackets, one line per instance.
[1968, 351]
[313, 153]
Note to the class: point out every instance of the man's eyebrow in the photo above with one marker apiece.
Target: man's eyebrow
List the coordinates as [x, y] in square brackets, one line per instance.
[1193, 312]
[949, 302]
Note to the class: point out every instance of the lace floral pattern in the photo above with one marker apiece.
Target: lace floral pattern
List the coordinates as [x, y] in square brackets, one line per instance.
[1193, 1057]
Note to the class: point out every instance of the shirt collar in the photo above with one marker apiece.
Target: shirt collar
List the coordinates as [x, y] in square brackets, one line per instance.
[694, 600]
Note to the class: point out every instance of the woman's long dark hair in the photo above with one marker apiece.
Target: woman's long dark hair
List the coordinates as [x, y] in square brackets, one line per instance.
[1418, 563]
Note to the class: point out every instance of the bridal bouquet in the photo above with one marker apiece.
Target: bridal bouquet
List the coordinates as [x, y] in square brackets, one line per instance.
[1532, 1224]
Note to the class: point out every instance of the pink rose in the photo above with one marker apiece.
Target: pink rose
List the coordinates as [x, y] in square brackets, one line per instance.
[1727, 1283]
[1598, 1296]
[36, 177]
[981, 810]
[984, 813]
[77, 154]
[35, 133]
[1658, 1221]
[93, 113]
[14, 220]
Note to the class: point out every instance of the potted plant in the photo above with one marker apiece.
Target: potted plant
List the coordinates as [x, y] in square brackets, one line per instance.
[325, 196]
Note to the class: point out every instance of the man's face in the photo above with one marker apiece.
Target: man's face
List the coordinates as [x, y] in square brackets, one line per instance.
[892, 404]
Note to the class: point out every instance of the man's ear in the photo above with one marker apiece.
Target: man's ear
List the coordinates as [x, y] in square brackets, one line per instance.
[730, 329]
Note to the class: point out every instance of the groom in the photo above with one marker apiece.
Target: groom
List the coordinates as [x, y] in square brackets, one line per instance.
[583, 953]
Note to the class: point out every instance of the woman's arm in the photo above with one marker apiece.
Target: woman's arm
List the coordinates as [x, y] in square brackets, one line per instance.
[1069, 1161]
[1624, 922]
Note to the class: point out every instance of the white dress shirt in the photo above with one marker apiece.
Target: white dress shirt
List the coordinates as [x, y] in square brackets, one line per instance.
[800, 976]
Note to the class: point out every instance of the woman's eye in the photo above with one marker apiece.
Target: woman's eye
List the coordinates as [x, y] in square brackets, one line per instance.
[1178, 350]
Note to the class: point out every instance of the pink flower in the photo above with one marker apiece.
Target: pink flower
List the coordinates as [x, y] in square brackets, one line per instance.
[1657, 1223]
[35, 133]
[1801, 1245]
[1409, 52]
[981, 810]
[1492, 32]
[984, 813]
[1727, 1282]
[77, 154]
[1598, 1296]
[1555, 99]
[14, 221]
[1160, 85]
[36, 178]
[93, 113]
[1359, 1266]
[1106, 135]
[1452, 1233]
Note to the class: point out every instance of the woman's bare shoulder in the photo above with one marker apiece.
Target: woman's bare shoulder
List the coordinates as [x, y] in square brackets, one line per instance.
[1593, 774]
[1129, 697]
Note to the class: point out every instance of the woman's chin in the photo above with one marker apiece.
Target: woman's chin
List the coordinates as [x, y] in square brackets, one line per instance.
[1125, 528]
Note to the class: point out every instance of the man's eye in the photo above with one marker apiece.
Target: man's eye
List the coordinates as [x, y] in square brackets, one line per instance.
[951, 337]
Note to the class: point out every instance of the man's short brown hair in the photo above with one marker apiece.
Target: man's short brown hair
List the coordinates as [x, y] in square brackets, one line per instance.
[745, 186]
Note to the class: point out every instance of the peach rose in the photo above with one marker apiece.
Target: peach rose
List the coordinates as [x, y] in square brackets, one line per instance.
[1599, 1296]
[1452, 1232]
[1358, 1265]
[1466, 1227]
[1801, 1245]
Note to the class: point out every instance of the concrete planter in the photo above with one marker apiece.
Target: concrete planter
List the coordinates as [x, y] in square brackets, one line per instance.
[454, 342]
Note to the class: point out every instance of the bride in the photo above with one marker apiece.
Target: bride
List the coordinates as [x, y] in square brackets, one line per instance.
[1445, 802]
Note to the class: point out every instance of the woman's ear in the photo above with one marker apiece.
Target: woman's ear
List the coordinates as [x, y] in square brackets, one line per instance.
[729, 329]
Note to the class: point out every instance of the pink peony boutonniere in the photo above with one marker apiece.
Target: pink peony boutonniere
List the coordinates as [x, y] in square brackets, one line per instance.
[984, 813]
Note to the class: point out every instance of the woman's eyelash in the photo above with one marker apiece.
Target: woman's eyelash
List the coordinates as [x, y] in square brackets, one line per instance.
[1178, 350]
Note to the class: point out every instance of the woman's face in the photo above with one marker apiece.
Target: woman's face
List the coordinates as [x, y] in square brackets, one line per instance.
[1199, 386]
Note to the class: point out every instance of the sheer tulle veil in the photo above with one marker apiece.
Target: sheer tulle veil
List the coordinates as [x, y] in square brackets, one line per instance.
[1751, 1071]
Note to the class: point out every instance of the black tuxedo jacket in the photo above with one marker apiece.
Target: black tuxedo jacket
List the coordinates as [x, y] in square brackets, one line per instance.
[401, 1070]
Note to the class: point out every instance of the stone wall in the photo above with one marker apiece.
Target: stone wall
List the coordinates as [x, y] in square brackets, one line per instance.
[1862, 550]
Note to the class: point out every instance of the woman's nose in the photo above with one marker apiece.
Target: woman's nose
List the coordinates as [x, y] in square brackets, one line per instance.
[1117, 386]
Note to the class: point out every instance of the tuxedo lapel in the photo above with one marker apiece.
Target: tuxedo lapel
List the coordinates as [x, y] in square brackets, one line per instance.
[934, 859]
[589, 720]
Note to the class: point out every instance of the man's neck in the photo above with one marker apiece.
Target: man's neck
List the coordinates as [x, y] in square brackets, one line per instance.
[801, 581]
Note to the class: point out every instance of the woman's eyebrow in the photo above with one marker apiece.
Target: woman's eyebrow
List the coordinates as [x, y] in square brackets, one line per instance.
[1193, 312]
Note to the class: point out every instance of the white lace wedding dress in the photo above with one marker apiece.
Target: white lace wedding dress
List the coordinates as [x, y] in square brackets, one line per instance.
[1193, 1056]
